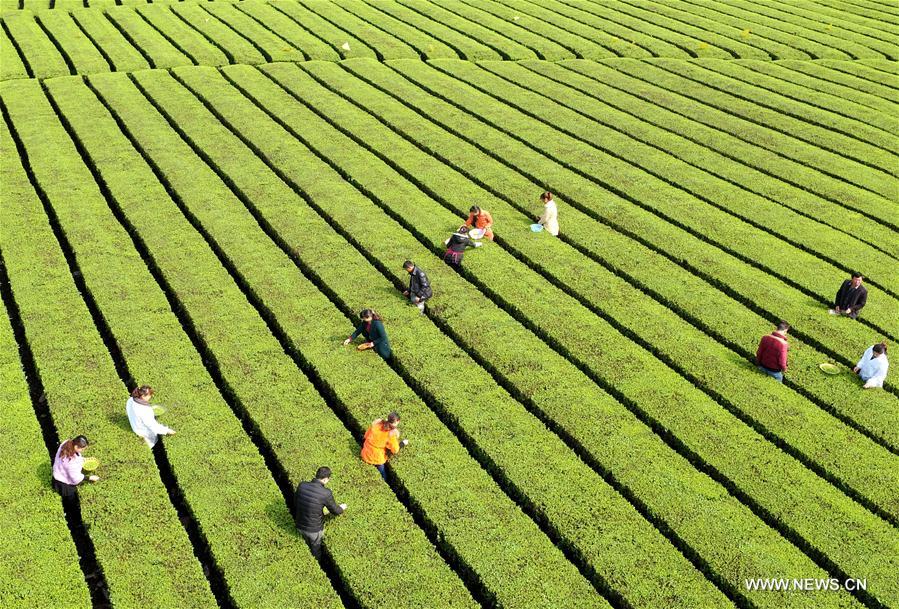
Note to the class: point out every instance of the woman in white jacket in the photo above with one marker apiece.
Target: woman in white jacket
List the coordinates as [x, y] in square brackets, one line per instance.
[550, 217]
[873, 366]
[143, 421]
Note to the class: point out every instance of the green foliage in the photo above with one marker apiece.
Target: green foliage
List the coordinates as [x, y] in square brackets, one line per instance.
[587, 427]
[228, 514]
[38, 562]
[252, 362]
[146, 557]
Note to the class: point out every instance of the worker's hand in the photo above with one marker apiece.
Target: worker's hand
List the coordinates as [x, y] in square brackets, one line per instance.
[837, 309]
[343, 506]
[406, 293]
[347, 341]
[848, 311]
[404, 442]
[856, 369]
[93, 478]
[171, 432]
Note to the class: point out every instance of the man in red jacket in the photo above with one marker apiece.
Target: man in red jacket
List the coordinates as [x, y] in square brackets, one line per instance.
[771, 355]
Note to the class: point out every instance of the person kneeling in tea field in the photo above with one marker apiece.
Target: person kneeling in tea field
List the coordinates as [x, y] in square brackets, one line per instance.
[67, 466]
[309, 502]
[372, 329]
[851, 297]
[143, 420]
[419, 286]
[771, 356]
[381, 437]
[456, 245]
[481, 219]
[550, 217]
[873, 366]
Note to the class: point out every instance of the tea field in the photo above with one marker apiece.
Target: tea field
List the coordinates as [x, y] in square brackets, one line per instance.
[201, 196]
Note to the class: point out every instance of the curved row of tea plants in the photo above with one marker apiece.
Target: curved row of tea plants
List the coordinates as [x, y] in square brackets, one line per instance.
[72, 39]
[145, 554]
[369, 245]
[227, 515]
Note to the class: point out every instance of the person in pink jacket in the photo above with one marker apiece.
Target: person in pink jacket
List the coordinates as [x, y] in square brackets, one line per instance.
[67, 466]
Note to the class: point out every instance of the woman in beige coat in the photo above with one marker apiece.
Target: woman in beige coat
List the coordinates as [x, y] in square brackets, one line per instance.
[550, 217]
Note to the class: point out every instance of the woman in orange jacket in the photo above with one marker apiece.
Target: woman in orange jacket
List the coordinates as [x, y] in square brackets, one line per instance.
[381, 437]
[480, 218]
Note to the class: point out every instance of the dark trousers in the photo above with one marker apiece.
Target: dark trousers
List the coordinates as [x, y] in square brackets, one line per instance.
[66, 490]
[314, 539]
[382, 469]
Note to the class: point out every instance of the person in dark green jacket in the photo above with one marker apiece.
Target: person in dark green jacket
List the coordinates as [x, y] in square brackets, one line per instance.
[372, 329]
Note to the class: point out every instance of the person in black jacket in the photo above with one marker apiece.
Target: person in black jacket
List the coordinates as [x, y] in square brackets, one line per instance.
[419, 286]
[456, 245]
[372, 328]
[851, 297]
[309, 500]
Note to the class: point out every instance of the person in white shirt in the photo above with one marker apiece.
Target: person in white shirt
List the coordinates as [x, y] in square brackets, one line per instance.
[872, 367]
[143, 421]
[550, 217]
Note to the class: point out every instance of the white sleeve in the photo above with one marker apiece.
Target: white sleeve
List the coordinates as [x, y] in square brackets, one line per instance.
[149, 419]
[865, 356]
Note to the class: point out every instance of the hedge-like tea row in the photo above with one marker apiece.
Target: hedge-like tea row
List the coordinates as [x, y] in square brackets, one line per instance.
[755, 31]
[495, 539]
[530, 83]
[237, 48]
[425, 44]
[542, 44]
[695, 410]
[146, 557]
[569, 267]
[37, 53]
[182, 36]
[879, 77]
[463, 44]
[679, 208]
[225, 484]
[38, 561]
[735, 117]
[575, 188]
[648, 269]
[626, 36]
[685, 33]
[527, 365]
[816, 75]
[385, 43]
[308, 39]
[529, 461]
[582, 39]
[251, 361]
[772, 77]
[469, 29]
[759, 287]
[755, 168]
[818, 25]
[861, 464]
[80, 54]
[11, 65]
[681, 172]
[118, 50]
[775, 96]
[442, 371]
[789, 183]
[156, 47]
[869, 165]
